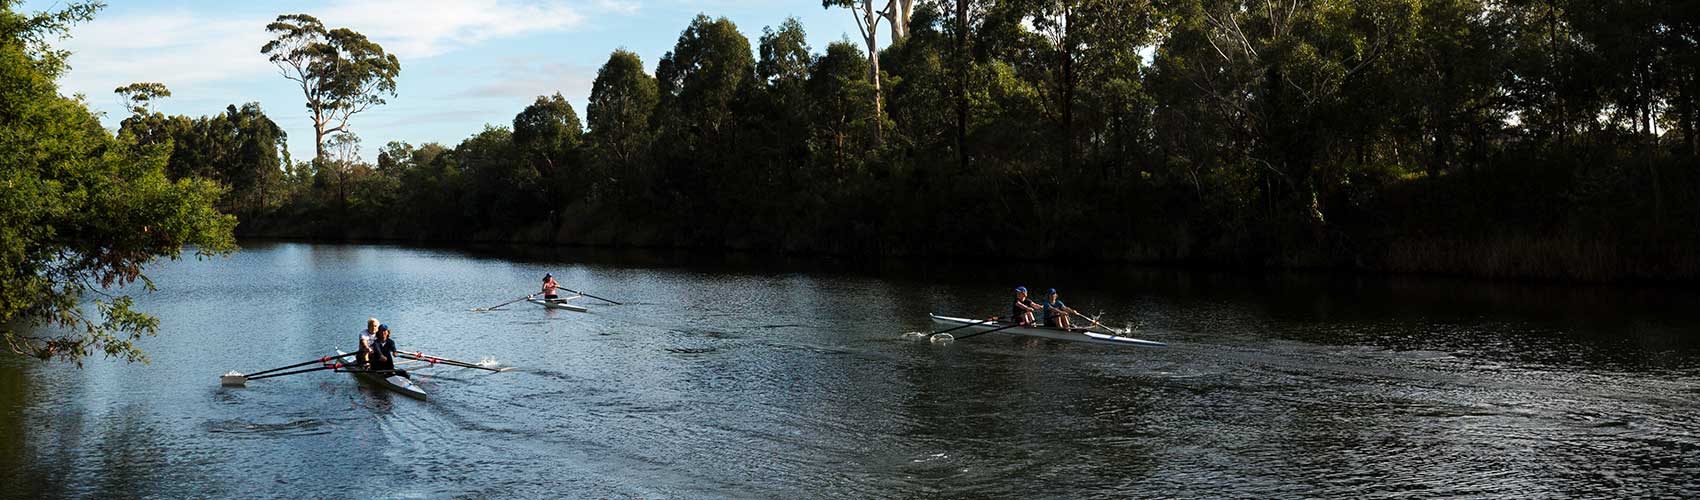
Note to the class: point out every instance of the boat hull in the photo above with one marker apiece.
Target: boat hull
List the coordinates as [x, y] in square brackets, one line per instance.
[392, 382]
[558, 305]
[1089, 337]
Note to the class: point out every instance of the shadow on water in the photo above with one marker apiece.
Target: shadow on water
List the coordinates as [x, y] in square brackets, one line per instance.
[744, 376]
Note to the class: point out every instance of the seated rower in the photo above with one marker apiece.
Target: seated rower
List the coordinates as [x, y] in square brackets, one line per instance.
[1056, 314]
[1021, 310]
[383, 352]
[367, 337]
[549, 286]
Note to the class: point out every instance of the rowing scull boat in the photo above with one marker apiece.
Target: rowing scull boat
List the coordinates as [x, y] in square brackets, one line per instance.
[387, 380]
[560, 303]
[1076, 335]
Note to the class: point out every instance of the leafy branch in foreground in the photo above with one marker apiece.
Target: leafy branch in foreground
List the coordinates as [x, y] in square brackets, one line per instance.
[82, 211]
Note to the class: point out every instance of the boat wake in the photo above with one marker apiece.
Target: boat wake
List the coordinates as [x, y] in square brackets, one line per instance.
[936, 338]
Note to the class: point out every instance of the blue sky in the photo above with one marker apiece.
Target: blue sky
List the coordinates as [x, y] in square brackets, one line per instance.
[464, 63]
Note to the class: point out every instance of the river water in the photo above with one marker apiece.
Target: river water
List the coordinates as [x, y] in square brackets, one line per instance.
[742, 378]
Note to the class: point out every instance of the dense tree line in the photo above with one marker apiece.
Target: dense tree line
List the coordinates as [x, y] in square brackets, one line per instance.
[1552, 138]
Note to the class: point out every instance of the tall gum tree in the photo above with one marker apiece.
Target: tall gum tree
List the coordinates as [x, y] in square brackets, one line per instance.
[868, 22]
[340, 72]
[622, 99]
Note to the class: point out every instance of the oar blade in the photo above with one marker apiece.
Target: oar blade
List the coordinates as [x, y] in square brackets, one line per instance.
[233, 379]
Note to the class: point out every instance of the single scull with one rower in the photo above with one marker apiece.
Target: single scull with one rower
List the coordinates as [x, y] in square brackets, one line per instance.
[560, 303]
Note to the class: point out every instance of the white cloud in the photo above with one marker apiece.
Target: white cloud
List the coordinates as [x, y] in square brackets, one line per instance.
[627, 7]
[425, 28]
[184, 49]
[178, 49]
[525, 78]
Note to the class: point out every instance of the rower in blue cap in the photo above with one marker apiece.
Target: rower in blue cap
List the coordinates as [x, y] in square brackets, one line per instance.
[1022, 309]
[1056, 314]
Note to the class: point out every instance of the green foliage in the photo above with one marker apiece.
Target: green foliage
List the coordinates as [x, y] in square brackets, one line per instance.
[241, 148]
[547, 134]
[622, 101]
[140, 94]
[1404, 135]
[340, 71]
[81, 211]
[699, 80]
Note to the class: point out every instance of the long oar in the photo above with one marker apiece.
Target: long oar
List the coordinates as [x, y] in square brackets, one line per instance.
[492, 308]
[333, 366]
[1100, 325]
[419, 356]
[998, 329]
[234, 378]
[976, 323]
[591, 296]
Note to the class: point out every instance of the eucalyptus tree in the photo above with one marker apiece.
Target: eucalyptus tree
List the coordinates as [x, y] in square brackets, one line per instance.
[778, 120]
[140, 95]
[842, 128]
[341, 73]
[706, 83]
[622, 100]
[700, 79]
[547, 132]
[867, 24]
[1266, 88]
[546, 136]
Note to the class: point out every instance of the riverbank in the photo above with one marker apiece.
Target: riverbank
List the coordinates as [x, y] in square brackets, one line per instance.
[1507, 257]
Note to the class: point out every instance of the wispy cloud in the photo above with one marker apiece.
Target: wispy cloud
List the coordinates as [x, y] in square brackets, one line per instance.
[526, 78]
[179, 49]
[618, 6]
[425, 28]
[183, 49]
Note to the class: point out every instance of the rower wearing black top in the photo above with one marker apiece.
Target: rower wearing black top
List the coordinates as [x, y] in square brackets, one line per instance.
[1022, 309]
[383, 352]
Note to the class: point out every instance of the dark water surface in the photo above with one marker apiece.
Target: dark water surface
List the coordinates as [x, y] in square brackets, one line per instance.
[793, 381]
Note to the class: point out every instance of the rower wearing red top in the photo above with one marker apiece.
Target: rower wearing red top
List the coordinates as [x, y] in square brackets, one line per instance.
[549, 286]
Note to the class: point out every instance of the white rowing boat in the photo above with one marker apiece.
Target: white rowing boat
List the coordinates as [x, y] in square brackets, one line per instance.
[560, 303]
[1076, 335]
[389, 381]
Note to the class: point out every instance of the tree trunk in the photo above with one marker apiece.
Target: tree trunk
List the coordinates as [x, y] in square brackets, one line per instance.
[318, 141]
[1067, 46]
[874, 70]
[962, 84]
[1691, 118]
[897, 13]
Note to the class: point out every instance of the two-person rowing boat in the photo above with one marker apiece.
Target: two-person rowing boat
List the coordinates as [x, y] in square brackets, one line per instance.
[1025, 320]
[374, 361]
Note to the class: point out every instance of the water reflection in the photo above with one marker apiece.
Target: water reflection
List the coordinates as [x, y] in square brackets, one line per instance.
[747, 377]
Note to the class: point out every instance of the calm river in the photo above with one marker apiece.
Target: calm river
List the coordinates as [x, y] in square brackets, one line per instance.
[792, 380]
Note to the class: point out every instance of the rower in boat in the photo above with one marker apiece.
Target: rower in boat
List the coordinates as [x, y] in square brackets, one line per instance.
[1056, 313]
[1022, 309]
[383, 353]
[549, 286]
[368, 337]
